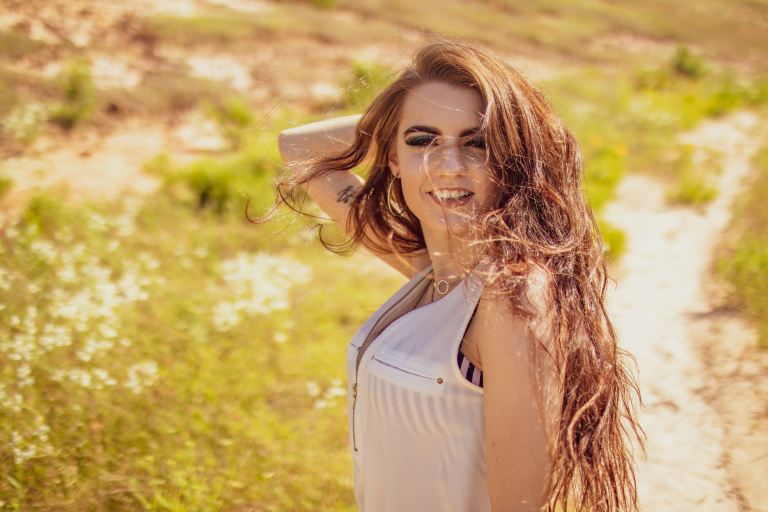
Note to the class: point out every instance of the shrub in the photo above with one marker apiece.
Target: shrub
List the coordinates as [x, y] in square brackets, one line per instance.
[694, 183]
[687, 64]
[366, 79]
[5, 184]
[78, 95]
[234, 116]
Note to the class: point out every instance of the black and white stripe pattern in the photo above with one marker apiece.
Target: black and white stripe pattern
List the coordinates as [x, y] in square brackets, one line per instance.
[469, 371]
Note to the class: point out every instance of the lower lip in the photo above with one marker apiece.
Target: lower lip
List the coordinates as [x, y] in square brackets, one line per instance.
[451, 203]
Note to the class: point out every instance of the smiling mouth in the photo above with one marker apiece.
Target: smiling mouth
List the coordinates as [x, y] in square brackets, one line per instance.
[451, 202]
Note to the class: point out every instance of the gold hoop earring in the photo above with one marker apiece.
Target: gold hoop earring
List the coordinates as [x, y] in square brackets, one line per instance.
[389, 201]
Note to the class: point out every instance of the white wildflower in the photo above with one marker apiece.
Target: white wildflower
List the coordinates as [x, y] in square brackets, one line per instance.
[25, 119]
[81, 377]
[107, 331]
[54, 336]
[260, 285]
[280, 337]
[104, 377]
[225, 316]
[97, 222]
[141, 375]
[150, 262]
[24, 375]
[312, 388]
[34, 444]
[67, 273]
[44, 250]
[92, 348]
[5, 280]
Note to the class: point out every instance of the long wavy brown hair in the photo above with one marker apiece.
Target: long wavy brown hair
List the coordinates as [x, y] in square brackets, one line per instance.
[541, 221]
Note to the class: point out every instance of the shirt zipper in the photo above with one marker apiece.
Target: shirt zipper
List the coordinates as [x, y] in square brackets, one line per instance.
[361, 350]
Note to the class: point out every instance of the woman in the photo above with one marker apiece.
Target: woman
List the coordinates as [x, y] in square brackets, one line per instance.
[492, 380]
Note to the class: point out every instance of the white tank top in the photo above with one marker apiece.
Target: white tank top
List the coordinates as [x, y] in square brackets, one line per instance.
[415, 422]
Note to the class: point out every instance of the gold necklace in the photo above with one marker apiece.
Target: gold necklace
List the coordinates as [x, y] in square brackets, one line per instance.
[439, 286]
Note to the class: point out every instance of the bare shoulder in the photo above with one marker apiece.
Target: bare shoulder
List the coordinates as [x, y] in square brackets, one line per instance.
[519, 419]
[500, 326]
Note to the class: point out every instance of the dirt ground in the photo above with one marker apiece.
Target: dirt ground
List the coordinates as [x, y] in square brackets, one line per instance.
[702, 380]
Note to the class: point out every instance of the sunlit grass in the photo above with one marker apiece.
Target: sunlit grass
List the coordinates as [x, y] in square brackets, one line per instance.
[155, 357]
[571, 28]
[630, 121]
[696, 180]
[743, 260]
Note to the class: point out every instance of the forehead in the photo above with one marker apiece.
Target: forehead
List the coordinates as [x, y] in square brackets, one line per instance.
[443, 106]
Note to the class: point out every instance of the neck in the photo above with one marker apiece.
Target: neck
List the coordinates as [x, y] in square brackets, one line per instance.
[450, 260]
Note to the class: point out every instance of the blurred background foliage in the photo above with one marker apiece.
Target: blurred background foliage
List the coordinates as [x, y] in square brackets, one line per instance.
[160, 352]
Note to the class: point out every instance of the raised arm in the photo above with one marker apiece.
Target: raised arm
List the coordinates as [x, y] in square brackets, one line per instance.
[333, 193]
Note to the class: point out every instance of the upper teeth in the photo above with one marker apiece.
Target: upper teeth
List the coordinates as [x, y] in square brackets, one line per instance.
[451, 194]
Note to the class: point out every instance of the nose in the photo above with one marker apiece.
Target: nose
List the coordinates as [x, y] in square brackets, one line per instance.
[449, 159]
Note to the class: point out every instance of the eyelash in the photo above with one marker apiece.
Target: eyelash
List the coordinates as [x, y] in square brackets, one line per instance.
[415, 141]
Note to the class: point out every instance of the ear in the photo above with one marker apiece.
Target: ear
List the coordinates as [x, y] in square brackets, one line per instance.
[394, 165]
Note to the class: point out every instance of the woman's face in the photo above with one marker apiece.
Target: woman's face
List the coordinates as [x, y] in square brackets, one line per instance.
[439, 150]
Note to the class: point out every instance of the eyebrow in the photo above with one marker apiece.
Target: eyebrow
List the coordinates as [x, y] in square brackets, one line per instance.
[435, 131]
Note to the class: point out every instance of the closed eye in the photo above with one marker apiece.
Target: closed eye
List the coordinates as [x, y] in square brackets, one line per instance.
[477, 142]
[425, 140]
[420, 140]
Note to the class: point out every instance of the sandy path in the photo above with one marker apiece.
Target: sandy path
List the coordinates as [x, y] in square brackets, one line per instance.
[661, 308]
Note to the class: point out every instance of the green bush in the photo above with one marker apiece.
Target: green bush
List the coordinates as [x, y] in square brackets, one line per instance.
[234, 116]
[615, 240]
[78, 95]
[365, 81]
[605, 165]
[694, 184]
[6, 183]
[220, 184]
[687, 64]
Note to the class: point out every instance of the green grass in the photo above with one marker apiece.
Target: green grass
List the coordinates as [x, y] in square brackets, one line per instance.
[743, 260]
[724, 30]
[205, 29]
[220, 26]
[364, 81]
[629, 121]
[157, 358]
